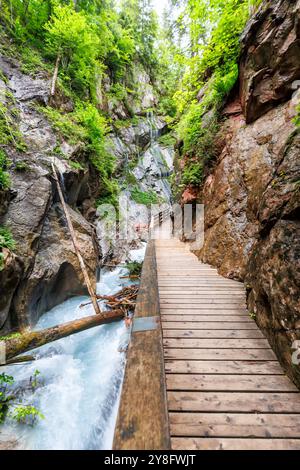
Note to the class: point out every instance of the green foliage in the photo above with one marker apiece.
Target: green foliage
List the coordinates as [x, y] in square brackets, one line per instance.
[85, 124]
[4, 176]
[214, 27]
[6, 238]
[134, 268]
[26, 414]
[167, 140]
[144, 197]
[9, 132]
[192, 173]
[11, 405]
[297, 118]
[10, 336]
[6, 241]
[22, 167]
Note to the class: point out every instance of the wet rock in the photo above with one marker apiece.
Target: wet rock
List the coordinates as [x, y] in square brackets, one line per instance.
[270, 63]
[273, 280]
[190, 194]
[25, 87]
[252, 196]
[44, 269]
[235, 197]
[55, 274]
[10, 276]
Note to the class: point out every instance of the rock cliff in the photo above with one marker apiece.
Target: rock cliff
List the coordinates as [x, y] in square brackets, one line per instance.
[44, 261]
[252, 225]
[43, 270]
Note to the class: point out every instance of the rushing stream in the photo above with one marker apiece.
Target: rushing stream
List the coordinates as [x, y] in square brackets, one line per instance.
[80, 378]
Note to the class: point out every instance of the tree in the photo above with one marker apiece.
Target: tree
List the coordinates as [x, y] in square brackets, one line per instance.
[73, 41]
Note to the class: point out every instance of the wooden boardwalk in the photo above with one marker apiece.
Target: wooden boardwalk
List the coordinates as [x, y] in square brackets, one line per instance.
[225, 387]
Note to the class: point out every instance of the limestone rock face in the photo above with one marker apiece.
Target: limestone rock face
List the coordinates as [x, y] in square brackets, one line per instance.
[44, 269]
[273, 281]
[252, 224]
[270, 63]
[10, 276]
[55, 274]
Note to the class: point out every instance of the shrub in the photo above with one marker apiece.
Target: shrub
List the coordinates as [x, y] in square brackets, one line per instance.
[144, 197]
[134, 268]
[4, 176]
[192, 174]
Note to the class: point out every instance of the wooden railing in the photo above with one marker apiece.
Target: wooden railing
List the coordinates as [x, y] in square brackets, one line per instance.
[142, 421]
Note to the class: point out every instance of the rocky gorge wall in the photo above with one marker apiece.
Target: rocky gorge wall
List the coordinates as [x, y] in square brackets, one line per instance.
[43, 270]
[252, 225]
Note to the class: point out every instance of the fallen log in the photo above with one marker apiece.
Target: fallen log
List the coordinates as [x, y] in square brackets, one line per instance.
[75, 244]
[33, 339]
[19, 360]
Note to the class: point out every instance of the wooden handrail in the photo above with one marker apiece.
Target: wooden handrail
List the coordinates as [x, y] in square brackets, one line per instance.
[142, 422]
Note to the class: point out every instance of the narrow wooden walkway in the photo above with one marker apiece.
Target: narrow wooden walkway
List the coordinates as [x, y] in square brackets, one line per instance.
[225, 388]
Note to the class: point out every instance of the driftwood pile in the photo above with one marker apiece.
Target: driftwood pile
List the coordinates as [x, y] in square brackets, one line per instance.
[123, 300]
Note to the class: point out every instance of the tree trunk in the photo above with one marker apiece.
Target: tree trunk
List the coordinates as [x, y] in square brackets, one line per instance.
[55, 73]
[34, 339]
[73, 236]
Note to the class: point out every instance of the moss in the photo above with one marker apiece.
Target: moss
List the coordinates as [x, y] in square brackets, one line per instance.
[167, 140]
[75, 165]
[145, 197]
[9, 132]
[6, 241]
[4, 176]
[10, 336]
[22, 167]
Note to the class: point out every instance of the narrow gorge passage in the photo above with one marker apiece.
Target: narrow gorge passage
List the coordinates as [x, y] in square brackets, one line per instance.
[150, 161]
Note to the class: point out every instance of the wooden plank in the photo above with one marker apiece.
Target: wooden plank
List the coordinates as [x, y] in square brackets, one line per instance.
[223, 367]
[187, 320]
[226, 382]
[187, 443]
[235, 425]
[222, 354]
[209, 318]
[220, 334]
[231, 402]
[142, 421]
[203, 295]
[204, 303]
[213, 310]
[224, 343]
[213, 328]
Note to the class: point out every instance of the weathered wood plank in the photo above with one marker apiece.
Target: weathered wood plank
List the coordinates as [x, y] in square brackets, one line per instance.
[215, 331]
[201, 303]
[179, 443]
[226, 382]
[210, 310]
[187, 320]
[235, 425]
[223, 367]
[222, 354]
[231, 402]
[224, 343]
[215, 334]
[208, 318]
